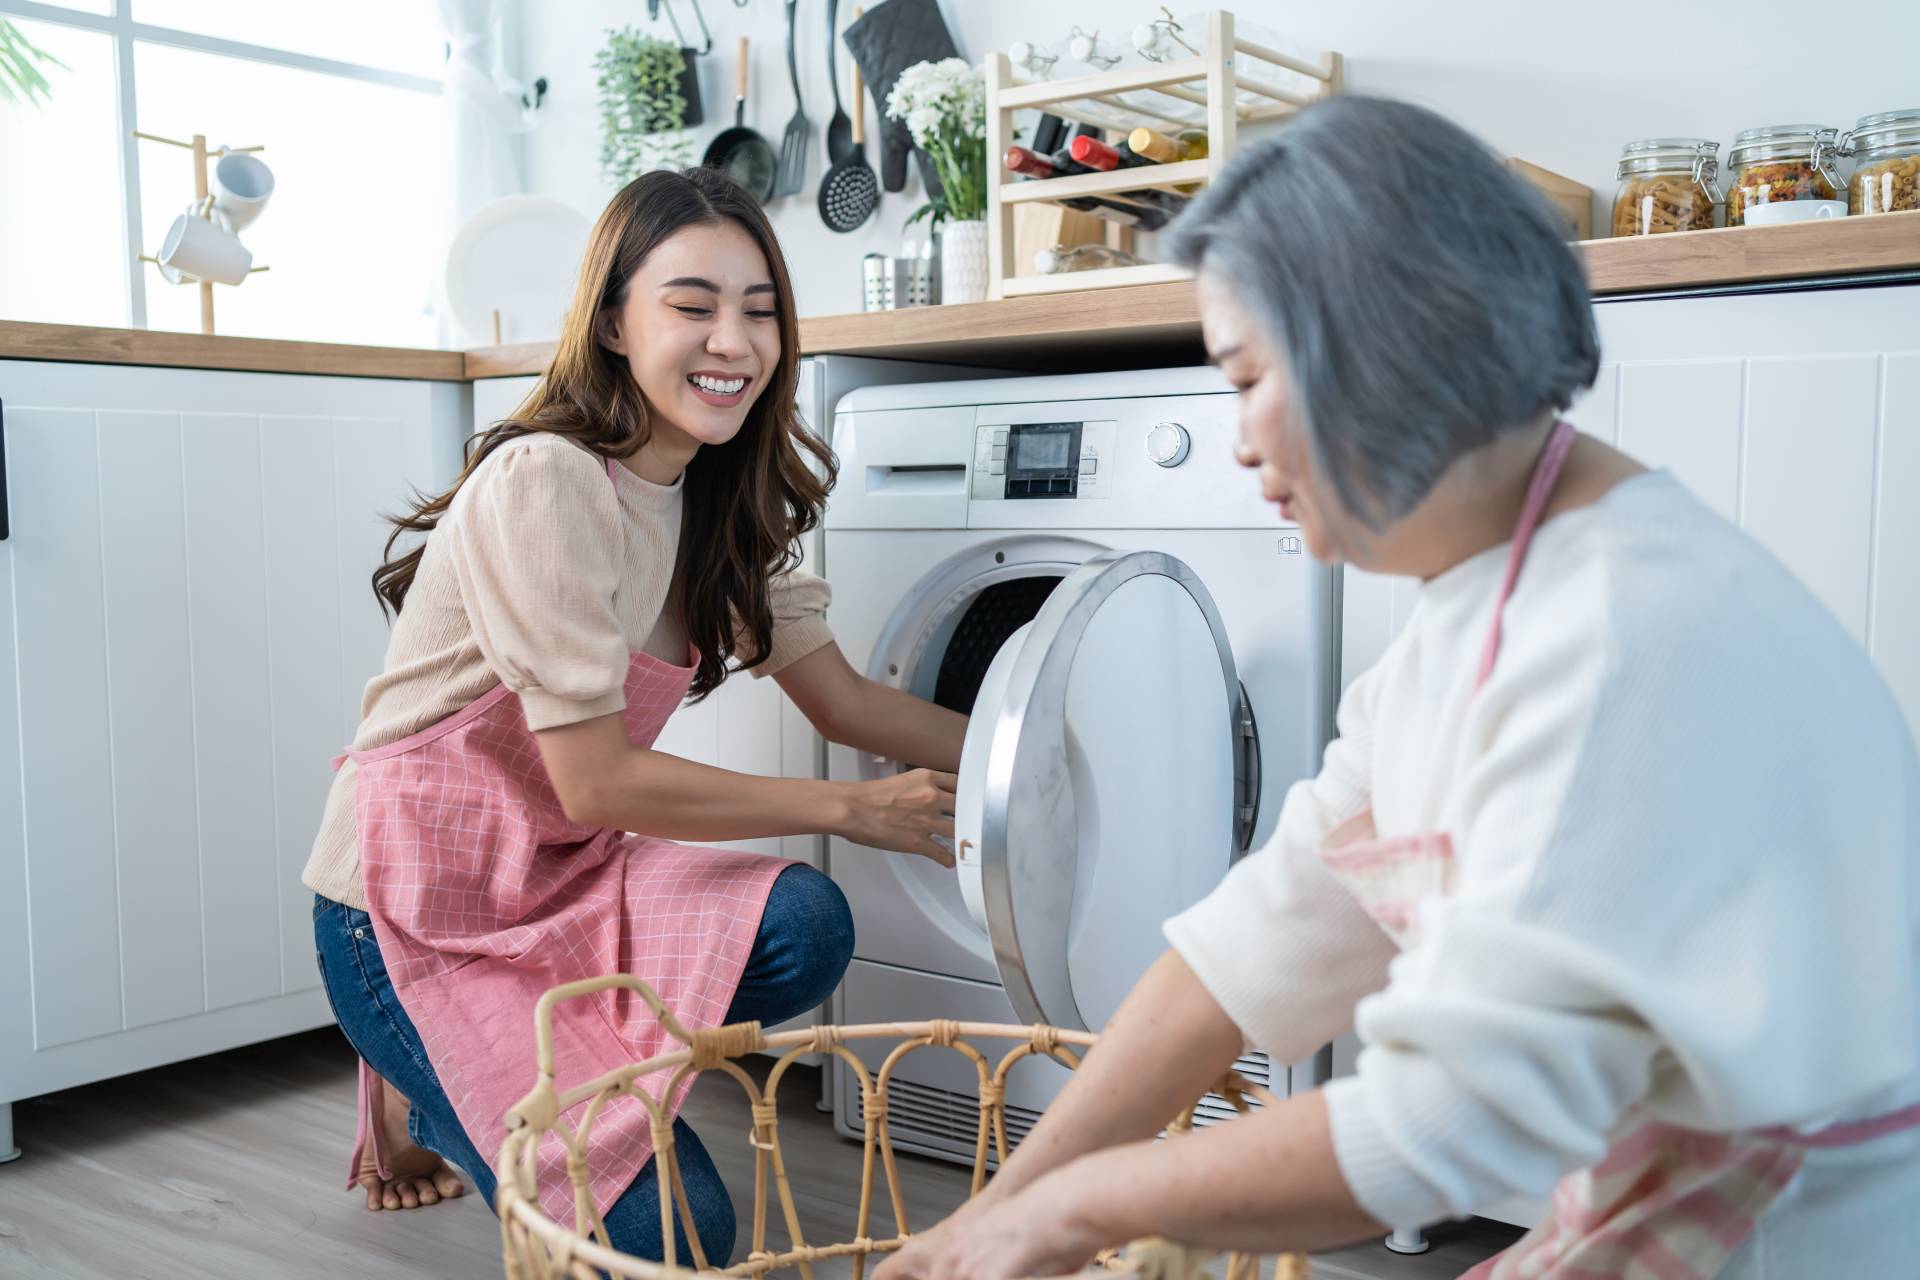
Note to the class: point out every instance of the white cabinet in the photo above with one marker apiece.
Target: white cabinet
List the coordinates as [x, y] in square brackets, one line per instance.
[186, 626]
[1796, 416]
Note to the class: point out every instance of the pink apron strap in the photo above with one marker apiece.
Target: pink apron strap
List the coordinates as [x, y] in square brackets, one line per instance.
[367, 1131]
[1545, 473]
[1849, 1134]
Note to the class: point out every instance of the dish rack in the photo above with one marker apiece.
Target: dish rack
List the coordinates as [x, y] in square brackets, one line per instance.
[536, 1247]
[1208, 90]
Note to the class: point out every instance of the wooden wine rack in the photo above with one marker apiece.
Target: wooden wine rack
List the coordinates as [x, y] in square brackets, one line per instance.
[1208, 81]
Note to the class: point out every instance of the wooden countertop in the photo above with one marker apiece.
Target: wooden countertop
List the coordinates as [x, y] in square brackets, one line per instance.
[84, 344]
[1159, 324]
[1142, 325]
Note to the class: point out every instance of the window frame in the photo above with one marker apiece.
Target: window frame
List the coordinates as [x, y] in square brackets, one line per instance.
[124, 31]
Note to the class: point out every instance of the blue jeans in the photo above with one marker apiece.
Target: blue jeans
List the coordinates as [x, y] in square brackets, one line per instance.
[802, 948]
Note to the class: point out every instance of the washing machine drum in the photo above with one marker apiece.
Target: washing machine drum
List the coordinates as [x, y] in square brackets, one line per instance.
[1108, 781]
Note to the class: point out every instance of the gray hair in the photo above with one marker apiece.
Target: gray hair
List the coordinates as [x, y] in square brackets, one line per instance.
[1422, 295]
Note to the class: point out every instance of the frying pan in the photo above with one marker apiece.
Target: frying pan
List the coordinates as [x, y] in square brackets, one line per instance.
[740, 152]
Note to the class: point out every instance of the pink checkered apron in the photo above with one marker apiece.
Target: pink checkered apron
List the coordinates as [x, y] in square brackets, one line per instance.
[1664, 1203]
[484, 896]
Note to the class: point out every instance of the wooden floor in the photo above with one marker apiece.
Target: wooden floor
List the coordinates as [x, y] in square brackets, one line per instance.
[231, 1167]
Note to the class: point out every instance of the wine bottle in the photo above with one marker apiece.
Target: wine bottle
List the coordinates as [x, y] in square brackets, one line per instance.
[1164, 204]
[1132, 211]
[1033, 164]
[1191, 144]
[1096, 154]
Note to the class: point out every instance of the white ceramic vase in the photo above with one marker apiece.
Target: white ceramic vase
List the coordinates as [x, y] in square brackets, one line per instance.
[963, 261]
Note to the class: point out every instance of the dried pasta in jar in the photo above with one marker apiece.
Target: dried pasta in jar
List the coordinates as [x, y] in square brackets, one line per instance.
[1887, 146]
[1666, 184]
[1781, 164]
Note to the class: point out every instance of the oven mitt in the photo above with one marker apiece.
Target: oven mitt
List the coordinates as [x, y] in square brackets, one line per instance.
[884, 41]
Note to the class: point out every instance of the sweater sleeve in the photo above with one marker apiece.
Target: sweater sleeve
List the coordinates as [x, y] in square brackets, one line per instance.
[1280, 944]
[799, 603]
[535, 545]
[1646, 912]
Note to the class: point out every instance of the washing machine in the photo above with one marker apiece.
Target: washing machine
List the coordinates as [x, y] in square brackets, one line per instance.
[1149, 659]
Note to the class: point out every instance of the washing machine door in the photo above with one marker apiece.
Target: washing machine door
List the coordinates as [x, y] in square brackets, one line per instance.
[1108, 781]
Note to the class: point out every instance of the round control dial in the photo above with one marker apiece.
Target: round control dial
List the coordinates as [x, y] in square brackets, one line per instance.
[1168, 443]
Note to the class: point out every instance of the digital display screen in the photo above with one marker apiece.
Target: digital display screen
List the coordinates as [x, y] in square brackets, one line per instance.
[1042, 450]
[1043, 460]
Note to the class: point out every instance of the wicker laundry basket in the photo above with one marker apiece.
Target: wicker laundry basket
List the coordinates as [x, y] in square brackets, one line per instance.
[538, 1248]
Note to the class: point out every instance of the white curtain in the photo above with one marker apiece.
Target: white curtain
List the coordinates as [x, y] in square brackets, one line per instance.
[480, 120]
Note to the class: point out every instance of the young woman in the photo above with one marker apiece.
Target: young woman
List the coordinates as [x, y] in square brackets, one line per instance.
[625, 539]
[1613, 864]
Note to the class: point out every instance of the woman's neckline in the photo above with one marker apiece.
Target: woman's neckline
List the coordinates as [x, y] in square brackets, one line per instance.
[647, 493]
[1464, 576]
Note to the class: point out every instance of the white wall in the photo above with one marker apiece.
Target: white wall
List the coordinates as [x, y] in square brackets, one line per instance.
[1559, 83]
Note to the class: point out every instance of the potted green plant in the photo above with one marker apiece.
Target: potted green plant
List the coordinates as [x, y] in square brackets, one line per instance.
[944, 106]
[19, 77]
[643, 114]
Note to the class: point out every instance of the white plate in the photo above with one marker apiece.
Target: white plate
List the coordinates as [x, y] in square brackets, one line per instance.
[520, 255]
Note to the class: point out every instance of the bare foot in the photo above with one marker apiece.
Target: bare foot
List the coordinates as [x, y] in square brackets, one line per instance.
[419, 1176]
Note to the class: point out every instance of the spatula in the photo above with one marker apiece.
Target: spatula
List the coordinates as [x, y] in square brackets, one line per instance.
[794, 144]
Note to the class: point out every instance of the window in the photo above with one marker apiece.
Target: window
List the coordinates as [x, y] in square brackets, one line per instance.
[63, 242]
[343, 97]
[398, 35]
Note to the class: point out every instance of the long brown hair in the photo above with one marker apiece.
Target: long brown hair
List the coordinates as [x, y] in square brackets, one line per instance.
[747, 502]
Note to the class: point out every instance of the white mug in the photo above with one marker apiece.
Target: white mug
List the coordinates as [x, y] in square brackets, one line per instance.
[241, 185]
[195, 247]
[1774, 212]
[240, 189]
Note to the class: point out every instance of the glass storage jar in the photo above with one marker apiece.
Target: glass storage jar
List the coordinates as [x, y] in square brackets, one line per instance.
[1666, 184]
[1789, 168]
[1887, 149]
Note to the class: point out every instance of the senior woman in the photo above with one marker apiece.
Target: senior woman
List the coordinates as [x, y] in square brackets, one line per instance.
[1612, 865]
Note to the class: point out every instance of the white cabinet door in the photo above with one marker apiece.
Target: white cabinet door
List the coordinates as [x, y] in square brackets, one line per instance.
[189, 628]
[1796, 416]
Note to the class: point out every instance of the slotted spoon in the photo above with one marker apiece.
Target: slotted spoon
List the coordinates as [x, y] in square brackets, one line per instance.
[793, 144]
[850, 192]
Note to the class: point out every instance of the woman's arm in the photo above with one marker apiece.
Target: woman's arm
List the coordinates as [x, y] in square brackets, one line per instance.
[1265, 1183]
[1090, 1174]
[603, 779]
[854, 711]
[1168, 1043]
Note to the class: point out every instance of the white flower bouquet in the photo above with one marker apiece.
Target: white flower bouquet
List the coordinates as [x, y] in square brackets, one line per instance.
[944, 106]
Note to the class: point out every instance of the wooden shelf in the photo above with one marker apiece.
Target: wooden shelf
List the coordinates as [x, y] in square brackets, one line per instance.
[1138, 325]
[84, 344]
[1135, 326]
[1099, 277]
[1751, 255]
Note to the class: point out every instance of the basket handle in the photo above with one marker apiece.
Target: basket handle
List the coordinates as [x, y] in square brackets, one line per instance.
[543, 1012]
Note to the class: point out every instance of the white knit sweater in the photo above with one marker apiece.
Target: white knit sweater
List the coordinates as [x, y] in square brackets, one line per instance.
[1686, 818]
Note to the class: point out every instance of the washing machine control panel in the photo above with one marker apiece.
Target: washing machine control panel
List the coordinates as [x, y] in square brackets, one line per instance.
[1043, 460]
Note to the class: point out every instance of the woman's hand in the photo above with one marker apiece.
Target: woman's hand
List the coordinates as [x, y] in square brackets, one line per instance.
[1036, 1232]
[903, 813]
